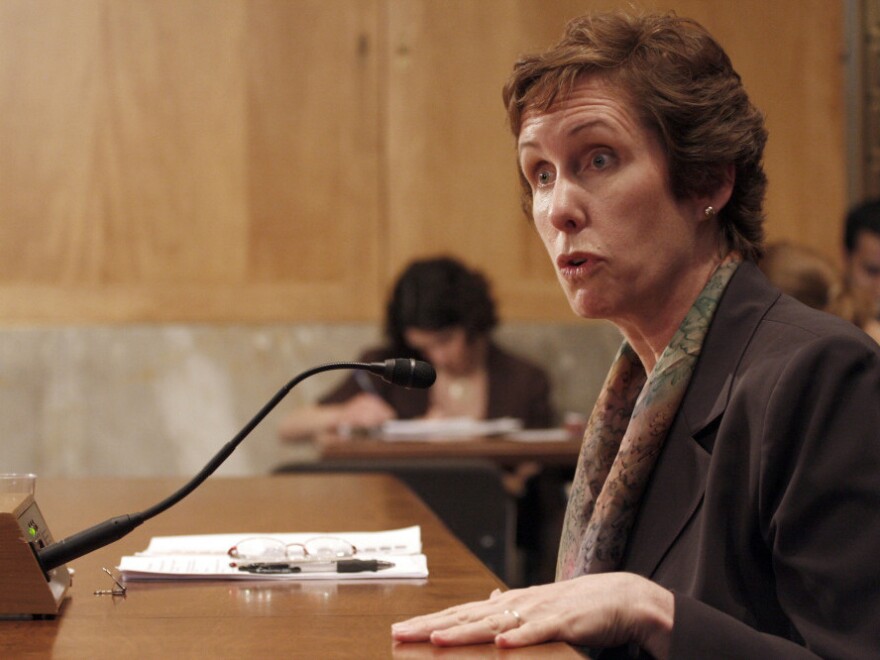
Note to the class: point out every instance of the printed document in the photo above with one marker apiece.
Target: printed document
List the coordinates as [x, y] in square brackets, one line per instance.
[205, 556]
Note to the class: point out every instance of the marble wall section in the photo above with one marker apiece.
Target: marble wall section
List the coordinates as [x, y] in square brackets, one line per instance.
[162, 400]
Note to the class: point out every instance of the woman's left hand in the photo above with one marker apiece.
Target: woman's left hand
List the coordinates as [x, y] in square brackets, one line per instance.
[599, 611]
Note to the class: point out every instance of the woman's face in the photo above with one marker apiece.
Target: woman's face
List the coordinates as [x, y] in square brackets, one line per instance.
[447, 350]
[620, 242]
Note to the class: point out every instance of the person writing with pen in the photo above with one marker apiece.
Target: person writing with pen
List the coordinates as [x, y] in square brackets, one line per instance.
[442, 312]
[725, 499]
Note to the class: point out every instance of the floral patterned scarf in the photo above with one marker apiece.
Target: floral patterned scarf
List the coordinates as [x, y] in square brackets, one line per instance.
[624, 437]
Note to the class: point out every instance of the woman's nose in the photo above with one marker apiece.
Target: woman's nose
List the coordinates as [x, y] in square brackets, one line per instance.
[565, 212]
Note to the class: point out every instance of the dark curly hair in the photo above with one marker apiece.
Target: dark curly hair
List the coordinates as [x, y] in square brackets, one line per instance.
[439, 293]
[864, 217]
[684, 88]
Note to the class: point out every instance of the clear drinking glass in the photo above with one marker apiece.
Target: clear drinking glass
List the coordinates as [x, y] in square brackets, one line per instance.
[17, 483]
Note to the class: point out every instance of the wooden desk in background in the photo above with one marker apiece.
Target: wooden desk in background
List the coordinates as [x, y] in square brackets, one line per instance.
[322, 619]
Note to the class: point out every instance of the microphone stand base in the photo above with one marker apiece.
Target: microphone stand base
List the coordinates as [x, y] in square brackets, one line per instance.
[24, 589]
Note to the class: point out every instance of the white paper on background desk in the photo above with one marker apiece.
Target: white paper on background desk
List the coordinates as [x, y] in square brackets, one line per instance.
[453, 428]
[540, 435]
[204, 556]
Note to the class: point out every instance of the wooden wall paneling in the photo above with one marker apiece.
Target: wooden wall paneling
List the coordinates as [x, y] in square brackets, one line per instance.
[451, 159]
[188, 160]
[47, 102]
[313, 164]
[790, 54]
[869, 167]
[125, 122]
[272, 160]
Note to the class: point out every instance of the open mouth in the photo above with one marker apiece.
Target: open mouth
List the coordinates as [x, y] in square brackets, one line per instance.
[574, 260]
[576, 264]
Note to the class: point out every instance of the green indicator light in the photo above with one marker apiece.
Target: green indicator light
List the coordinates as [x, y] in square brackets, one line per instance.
[32, 531]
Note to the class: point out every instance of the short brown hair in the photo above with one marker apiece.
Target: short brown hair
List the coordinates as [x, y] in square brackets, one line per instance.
[684, 88]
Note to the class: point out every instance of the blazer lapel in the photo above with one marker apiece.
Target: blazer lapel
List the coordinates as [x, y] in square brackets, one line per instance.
[678, 481]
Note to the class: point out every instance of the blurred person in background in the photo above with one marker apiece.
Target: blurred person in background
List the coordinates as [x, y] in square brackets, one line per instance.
[861, 243]
[442, 312]
[809, 277]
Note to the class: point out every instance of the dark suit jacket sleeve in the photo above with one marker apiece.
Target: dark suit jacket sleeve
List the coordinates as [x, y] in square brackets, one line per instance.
[815, 468]
[702, 631]
[518, 388]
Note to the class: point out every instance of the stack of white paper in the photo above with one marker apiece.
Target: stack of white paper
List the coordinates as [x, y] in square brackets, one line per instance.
[205, 556]
[453, 428]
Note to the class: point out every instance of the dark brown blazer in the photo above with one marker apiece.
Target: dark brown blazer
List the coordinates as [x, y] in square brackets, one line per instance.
[763, 511]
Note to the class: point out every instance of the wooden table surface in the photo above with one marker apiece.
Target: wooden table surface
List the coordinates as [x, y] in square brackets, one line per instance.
[258, 620]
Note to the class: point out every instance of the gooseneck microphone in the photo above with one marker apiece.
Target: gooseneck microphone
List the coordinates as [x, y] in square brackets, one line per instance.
[398, 371]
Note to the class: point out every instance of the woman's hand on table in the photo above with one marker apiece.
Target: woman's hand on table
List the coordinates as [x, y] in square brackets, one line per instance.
[599, 611]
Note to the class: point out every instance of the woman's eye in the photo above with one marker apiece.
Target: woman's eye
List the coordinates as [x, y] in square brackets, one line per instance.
[543, 177]
[600, 161]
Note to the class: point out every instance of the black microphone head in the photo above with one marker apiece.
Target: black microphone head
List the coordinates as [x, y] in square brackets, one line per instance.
[409, 373]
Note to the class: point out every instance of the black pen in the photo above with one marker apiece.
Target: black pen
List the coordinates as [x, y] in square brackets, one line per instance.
[340, 566]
